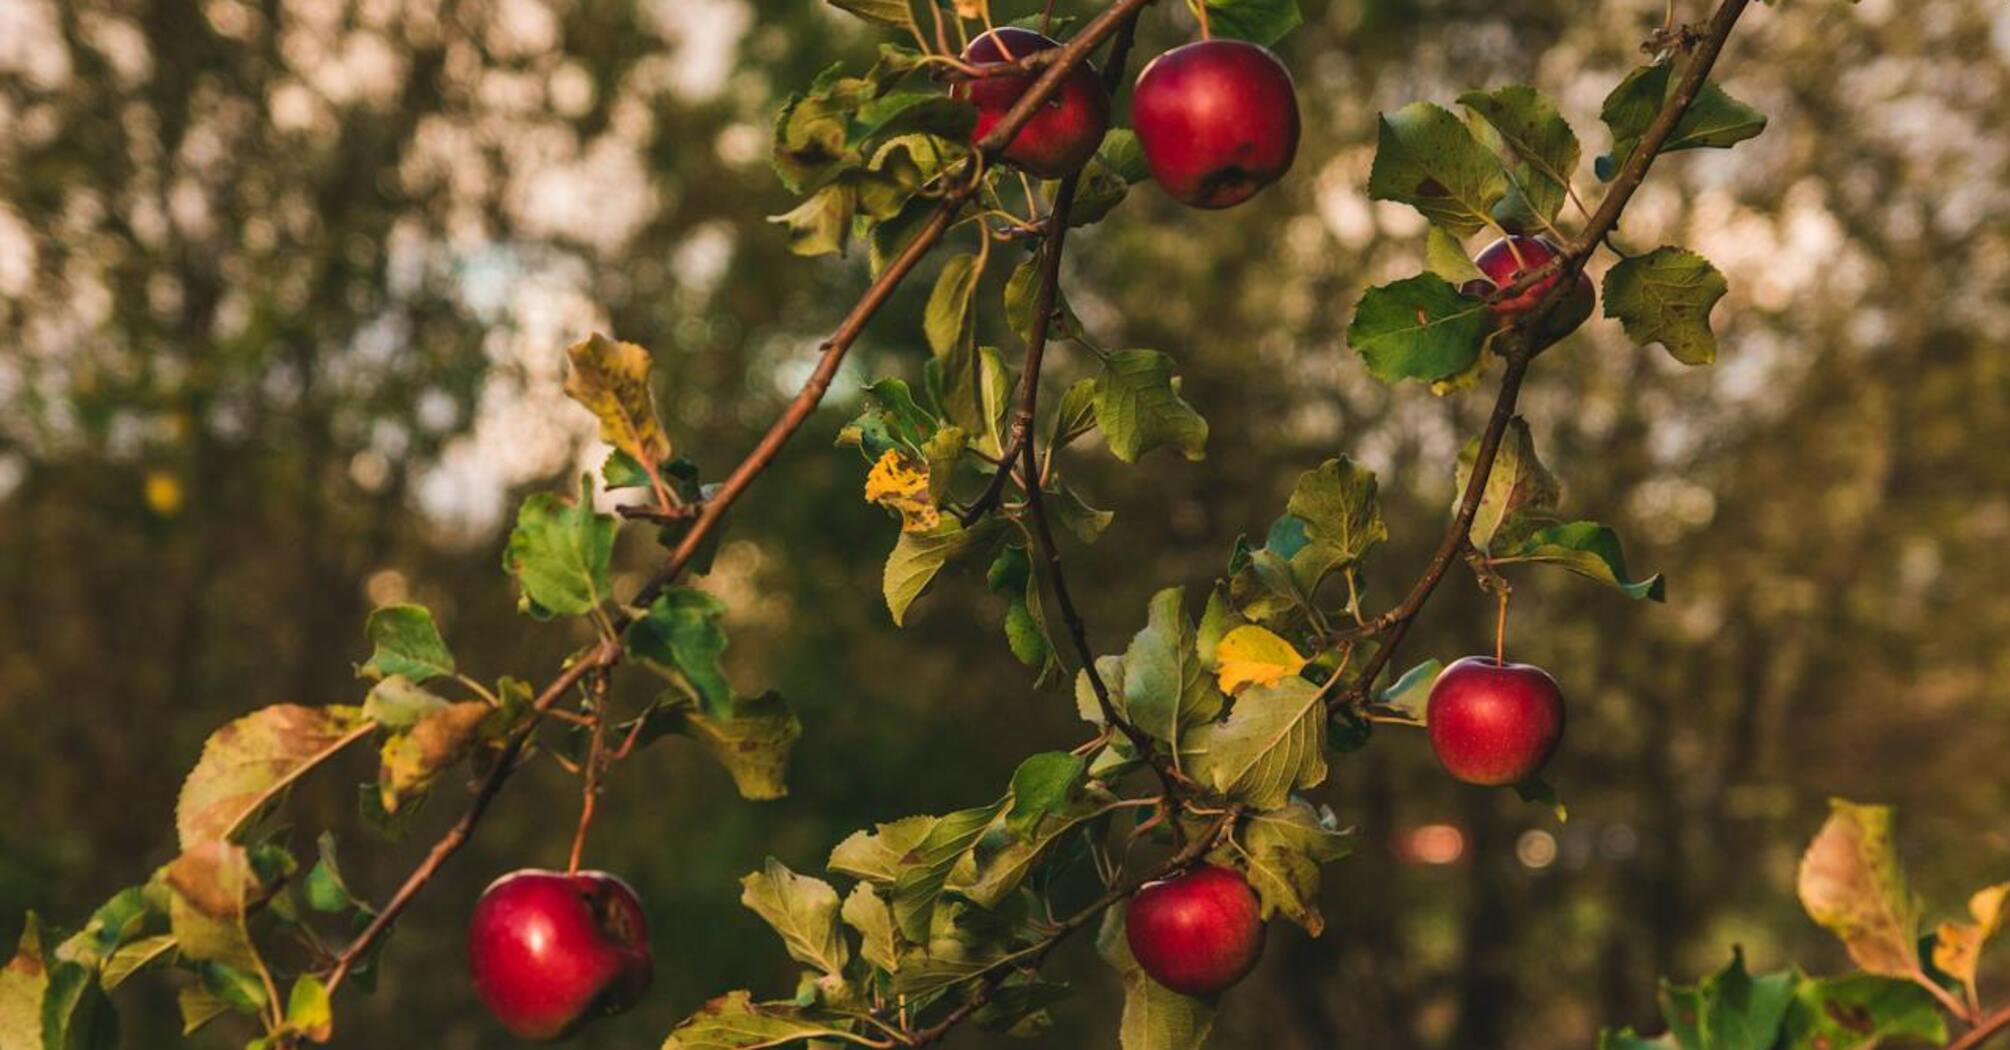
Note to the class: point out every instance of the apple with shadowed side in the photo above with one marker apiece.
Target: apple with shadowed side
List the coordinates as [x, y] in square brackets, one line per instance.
[549, 951]
[1066, 130]
[1217, 121]
[1197, 933]
[1507, 259]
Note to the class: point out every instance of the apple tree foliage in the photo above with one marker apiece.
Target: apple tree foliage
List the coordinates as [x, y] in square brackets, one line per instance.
[1206, 732]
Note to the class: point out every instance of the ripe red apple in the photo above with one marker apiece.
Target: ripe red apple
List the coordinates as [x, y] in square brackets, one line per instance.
[1065, 132]
[1494, 723]
[549, 951]
[1196, 933]
[1509, 258]
[1217, 120]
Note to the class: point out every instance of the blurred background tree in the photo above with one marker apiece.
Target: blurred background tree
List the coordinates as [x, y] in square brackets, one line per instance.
[284, 286]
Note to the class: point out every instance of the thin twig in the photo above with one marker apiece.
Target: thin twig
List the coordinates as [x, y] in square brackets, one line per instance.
[1983, 1031]
[602, 655]
[990, 977]
[1524, 342]
[1066, 58]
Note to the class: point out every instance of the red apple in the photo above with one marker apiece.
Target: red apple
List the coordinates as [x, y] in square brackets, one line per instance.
[1494, 723]
[1065, 132]
[1217, 120]
[1196, 933]
[549, 950]
[1506, 259]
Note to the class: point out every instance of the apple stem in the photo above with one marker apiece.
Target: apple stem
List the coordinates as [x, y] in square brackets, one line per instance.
[1200, 12]
[1501, 630]
[589, 795]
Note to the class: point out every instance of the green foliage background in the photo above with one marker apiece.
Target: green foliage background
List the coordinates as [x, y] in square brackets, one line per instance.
[287, 258]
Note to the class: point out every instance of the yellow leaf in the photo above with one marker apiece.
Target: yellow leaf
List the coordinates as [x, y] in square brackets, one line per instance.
[1251, 655]
[612, 380]
[899, 482]
[1957, 946]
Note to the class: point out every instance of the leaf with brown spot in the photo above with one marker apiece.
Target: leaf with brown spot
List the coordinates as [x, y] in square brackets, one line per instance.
[612, 380]
[414, 759]
[247, 762]
[1851, 883]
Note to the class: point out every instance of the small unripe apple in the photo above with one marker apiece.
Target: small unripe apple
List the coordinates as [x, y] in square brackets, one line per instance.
[549, 950]
[1507, 259]
[1196, 933]
[1217, 121]
[1066, 130]
[1494, 723]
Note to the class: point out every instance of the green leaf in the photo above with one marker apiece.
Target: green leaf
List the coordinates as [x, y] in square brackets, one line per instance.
[1410, 694]
[24, 982]
[1123, 154]
[947, 316]
[880, 855]
[397, 704]
[1000, 862]
[735, 1022]
[1085, 522]
[1544, 149]
[1730, 1009]
[1342, 517]
[1665, 297]
[906, 112]
[974, 388]
[1521, 494]
[1282, 851]
[1852, 884]
[559, 553]
[1155, 1017]
[1445, 256]
[1714, 120]
[1272, 742]
[414, 759]
[1426, 157]
[893, 14]
[247, 762]
[866, 911]
[406, 643]
[612, 380]
[1099, 190]
[803, 909]
[1166, 687]
[1258, 21]
[133, 958]
[325, 889]
[918, 556]
[1022, 302]
[925, 868]
[123, 918]
[821, 224]
[894, 422]
[307, 1009]
[1139, 408]
[753, 741]
[1418, 328]
[681, 630]
[1860, 1011]
[1043, 784]
[1588, 549]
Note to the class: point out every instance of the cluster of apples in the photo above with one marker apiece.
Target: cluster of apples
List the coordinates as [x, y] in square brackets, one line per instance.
[1217, 119]
[551, 950]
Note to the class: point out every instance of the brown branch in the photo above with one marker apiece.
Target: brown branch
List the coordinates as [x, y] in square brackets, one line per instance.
[991, 977]
[1524, 343]
[1984, 1030]
[608, 652]
[1067, 57]
[1036, 339]
[602, 655]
